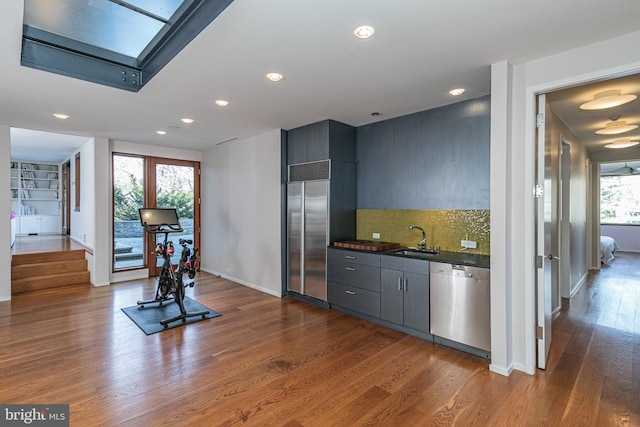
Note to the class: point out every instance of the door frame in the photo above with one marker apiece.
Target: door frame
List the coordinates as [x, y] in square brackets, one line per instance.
[150, 201]
[530, 96]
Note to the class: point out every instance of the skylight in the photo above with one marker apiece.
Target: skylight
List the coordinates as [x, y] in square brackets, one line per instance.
[118, 43]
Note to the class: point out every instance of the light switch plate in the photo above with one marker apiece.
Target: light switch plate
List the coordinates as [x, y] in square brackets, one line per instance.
[376, 235]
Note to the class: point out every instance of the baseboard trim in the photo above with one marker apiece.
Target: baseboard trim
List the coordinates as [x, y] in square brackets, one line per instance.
[244, 283]
[581, 282]
[502, 370]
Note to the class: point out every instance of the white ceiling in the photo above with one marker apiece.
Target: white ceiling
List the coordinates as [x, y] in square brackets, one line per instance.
[421, 49]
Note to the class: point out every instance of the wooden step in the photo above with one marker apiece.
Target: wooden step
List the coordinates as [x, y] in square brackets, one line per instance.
[40, 257]
[67, 266]
[44, 270]
[33, 283]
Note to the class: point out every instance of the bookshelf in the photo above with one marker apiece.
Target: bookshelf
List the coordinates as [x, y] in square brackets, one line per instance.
[35, 197]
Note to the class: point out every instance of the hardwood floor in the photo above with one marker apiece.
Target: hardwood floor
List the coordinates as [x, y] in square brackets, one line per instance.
[46, 243]
[270, 361]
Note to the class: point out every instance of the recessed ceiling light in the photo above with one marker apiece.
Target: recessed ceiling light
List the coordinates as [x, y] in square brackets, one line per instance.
[60, 116]
[222, 102]
[614, 127]
[161, 132]
[375, 114]
[607, 99]
[364, 32]
[275, 77]
[456, 92]
[187, 120]
[622, 143]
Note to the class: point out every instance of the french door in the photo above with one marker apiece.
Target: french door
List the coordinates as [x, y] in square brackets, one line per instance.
[174, 184]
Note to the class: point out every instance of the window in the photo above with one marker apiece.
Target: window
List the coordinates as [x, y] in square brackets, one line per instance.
[128, 197]
[620, 199]
[117, 43]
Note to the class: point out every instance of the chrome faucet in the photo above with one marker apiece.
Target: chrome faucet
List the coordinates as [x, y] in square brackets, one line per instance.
[422, 245]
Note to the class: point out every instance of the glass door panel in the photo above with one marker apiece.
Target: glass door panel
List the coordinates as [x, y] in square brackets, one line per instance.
[175, 184]
[128, 197]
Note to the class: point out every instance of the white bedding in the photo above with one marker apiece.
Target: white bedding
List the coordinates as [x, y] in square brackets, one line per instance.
[608, 247]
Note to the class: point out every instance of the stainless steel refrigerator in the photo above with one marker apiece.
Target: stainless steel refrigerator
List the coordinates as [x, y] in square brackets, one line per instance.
[308, 235]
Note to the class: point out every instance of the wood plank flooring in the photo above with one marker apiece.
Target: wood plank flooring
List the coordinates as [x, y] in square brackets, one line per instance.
[280, 362]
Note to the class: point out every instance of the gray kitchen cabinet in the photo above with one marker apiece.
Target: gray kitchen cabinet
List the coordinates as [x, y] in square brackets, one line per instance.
[324, 140]
[353, 281]
[404, 292]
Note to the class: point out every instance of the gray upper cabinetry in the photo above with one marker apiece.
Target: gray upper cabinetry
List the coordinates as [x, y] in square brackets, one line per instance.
[321, 141]
[334, 141]
[404, 292]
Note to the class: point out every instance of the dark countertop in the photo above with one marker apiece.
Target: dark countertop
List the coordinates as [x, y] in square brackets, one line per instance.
[459, 258]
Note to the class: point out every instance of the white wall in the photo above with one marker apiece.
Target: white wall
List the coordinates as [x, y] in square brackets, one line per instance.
[5, 206]
[577, 232]
[241, 225]
[599, 60]
[82, 221]
[627, 236]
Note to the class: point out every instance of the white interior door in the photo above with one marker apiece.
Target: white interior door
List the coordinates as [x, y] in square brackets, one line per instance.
[547, 232]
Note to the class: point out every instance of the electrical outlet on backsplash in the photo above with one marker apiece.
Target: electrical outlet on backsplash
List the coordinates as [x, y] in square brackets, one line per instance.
[444, 228]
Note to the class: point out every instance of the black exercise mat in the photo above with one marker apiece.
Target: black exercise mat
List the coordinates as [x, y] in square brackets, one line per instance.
[148, 318]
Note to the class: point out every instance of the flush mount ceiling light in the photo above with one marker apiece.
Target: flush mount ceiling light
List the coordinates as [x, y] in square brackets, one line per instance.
[221, 102]
[456, 92]
[60, 116]
[187, 120]
[364, 32]
[607, 99]
[615, 127]
[275, 77]
[161, 132]
[622, 143]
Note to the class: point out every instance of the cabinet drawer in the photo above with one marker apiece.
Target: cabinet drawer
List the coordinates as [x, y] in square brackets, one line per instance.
[347, 273]
[353, 257]
[356, 299]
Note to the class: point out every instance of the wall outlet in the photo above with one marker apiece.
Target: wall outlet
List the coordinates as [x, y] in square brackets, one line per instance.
[469, 244]
[376, 235]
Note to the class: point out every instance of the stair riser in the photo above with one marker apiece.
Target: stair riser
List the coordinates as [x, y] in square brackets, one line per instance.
[46, 282]
[27, 270]
[37, 258]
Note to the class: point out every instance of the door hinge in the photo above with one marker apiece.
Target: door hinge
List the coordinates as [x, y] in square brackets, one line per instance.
[539, 120]
[539, 261]
[538, 191]
[539, 333]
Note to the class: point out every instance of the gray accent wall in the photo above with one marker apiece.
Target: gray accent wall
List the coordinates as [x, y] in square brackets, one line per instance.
[434, 159]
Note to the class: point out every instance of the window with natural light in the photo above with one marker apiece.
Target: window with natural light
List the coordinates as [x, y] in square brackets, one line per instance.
[620, 199]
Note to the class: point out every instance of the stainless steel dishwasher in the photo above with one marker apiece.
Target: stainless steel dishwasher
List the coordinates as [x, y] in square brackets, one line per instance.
[460, 304]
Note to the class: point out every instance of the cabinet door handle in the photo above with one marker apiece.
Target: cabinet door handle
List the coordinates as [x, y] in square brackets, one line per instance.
[350, 292]
[406, 284]
[350, 257]
[350, 269]
[399, 283]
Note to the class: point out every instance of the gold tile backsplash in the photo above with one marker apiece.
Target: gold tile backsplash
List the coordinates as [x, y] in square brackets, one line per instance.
[444, 228]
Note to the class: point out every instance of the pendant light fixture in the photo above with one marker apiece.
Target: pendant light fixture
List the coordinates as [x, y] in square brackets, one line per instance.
[622, 143]
[615, 127]
[607, 99]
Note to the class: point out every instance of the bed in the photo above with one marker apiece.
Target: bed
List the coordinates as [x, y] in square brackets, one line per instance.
[608, 247]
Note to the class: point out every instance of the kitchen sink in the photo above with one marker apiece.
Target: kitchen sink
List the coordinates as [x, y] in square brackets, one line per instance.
[416, 253]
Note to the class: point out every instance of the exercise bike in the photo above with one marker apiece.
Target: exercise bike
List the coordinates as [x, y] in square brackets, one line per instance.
[171, 287]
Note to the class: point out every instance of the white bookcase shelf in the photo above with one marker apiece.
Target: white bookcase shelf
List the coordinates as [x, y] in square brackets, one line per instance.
[36, 198]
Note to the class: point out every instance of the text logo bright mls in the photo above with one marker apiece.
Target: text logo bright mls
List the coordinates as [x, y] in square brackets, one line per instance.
[34, 415]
